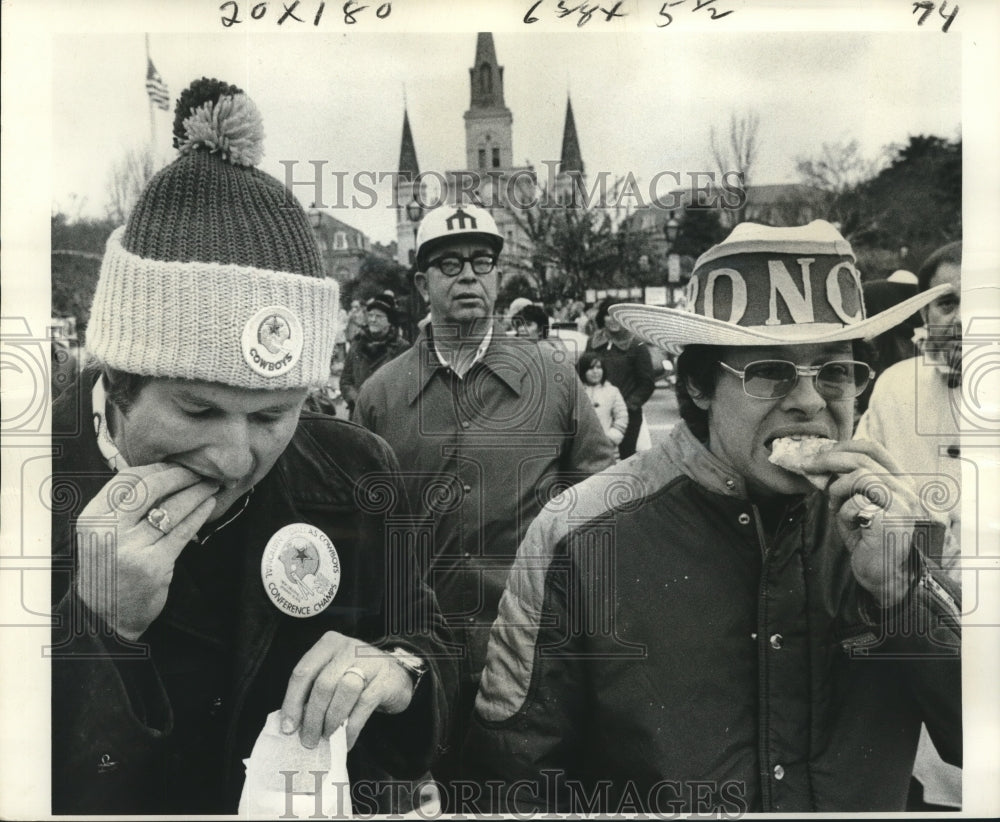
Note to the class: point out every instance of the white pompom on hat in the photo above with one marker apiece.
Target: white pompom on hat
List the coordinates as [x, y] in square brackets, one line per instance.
[216, 275]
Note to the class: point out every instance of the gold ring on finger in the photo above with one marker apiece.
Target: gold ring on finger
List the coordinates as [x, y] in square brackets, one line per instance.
[358, 672]
[866, 517]
[159, 519]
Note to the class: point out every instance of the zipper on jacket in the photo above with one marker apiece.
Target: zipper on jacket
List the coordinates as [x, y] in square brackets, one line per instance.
[761, 538]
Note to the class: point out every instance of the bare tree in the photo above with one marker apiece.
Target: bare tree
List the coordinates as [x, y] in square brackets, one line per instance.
[739, 151]
[838, 168]
[126, 180]
[582, 244]
[838, 174]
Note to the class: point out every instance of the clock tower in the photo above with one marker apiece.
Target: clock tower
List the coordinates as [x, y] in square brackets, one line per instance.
[488, 122]
[490, 177]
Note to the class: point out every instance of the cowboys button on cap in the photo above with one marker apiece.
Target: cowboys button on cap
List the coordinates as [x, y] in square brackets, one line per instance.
[462, 223]
[770, 285]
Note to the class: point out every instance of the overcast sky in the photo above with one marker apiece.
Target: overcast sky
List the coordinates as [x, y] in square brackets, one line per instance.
[643, 102]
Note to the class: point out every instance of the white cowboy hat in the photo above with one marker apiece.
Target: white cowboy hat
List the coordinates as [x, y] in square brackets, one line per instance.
[766, 285]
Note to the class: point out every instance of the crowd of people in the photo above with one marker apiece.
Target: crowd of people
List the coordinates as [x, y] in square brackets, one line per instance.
[373, 336]
[480, 581]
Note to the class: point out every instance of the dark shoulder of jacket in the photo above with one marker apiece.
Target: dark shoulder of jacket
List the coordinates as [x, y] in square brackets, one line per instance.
[328, 457]
[395, 374]
[631, 489]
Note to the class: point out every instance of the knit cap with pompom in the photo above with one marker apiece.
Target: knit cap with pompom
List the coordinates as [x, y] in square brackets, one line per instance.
[212, 244]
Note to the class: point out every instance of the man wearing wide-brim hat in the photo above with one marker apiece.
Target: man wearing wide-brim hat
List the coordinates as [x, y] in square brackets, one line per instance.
[715, 632]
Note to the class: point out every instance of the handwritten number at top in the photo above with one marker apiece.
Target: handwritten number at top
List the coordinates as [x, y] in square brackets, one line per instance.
[585, 12]
[699, 4]
[927, 6]
[290, 11]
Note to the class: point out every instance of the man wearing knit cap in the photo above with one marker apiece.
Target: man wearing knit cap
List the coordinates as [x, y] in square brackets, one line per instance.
[218, 556]
[486, 427]
[748, 617]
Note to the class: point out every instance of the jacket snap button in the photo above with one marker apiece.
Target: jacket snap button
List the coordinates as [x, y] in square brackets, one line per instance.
[466, 423]
[730, 484]
[779, 772]
[215, 705]
[107, 764]
[467, 489]
[744, 519]
[776, 642]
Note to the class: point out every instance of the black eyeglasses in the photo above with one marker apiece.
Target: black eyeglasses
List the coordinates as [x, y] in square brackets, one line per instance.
[451, 264]
[773, 379]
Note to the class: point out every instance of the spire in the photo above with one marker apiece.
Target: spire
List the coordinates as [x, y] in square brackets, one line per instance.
[485, 76]
[485, 53]
[572, 159]
[408, 151]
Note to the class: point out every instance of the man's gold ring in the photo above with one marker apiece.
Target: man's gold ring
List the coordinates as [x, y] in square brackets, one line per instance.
[159, 519]
[864, 520]
[358, 672]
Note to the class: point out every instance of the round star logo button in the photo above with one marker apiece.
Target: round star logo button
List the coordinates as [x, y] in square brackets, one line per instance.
[272, 341]
[300, 570]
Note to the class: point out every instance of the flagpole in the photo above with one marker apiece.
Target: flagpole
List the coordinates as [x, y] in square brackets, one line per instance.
[152, 117]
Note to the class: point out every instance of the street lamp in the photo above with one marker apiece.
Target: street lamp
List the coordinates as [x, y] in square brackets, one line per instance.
[670, 230]
[414, 212]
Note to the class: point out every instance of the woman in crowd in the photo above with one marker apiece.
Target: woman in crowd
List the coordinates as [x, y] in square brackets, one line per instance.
[378, 343]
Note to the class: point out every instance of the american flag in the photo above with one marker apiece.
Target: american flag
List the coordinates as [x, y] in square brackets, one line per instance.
[156, 88]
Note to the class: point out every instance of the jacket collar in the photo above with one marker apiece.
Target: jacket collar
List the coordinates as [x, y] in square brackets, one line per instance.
[710, 472]
[702, 465]
[428, 363]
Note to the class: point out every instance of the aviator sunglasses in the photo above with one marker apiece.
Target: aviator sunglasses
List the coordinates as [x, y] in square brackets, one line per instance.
[773, 379]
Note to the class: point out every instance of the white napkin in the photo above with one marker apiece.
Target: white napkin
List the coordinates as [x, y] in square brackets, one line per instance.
[268, 793]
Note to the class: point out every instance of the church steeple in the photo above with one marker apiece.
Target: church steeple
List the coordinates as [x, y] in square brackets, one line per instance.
[571, 159]
[488, 122]
[406, 189]
[408, 167]
[485, 76]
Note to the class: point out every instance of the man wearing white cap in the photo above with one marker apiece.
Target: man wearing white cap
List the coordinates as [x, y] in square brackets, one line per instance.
[732, 629]
[487, 428]
[217, 565]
